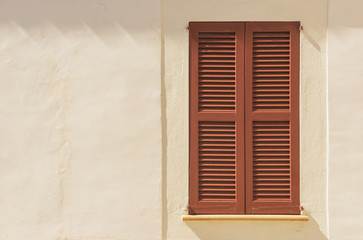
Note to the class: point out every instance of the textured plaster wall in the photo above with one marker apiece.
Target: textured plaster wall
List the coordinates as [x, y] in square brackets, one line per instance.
[313, 99]
[80, 120]
[345, 119]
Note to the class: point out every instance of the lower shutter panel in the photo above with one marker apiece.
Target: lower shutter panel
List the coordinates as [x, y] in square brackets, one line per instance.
[216, 116]
[217, 161]
[272, 119]
[271, 161]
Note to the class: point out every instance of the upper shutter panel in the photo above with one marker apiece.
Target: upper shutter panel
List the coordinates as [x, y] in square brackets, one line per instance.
[217, 71]
[271, 70]
[272, 117]
[216, 118]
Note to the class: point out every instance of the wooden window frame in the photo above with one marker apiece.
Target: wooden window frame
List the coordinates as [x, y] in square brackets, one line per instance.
[243, 116]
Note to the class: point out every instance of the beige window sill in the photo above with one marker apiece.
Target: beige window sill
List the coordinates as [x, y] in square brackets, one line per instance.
[245, 218]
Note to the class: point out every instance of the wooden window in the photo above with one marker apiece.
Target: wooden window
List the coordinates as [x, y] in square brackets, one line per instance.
[244, 118]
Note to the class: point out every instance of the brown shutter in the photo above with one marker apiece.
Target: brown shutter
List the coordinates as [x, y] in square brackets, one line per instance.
[272, 118]
[216, 116]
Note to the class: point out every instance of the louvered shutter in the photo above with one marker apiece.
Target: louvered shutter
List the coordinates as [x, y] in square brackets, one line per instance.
[216, 118]
[272, 118]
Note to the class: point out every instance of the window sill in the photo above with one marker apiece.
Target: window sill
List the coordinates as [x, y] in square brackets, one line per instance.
[245, 218]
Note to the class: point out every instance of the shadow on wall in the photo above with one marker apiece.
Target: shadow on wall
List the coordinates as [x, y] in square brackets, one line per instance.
[111, 19]
[257, 230]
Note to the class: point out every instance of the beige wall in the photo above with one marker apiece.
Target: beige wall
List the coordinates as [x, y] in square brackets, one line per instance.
[345, 119]
[80, 120]
[313, 16]
[82, 123]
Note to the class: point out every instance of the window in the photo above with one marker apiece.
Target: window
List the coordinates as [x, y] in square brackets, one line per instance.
[244, 118]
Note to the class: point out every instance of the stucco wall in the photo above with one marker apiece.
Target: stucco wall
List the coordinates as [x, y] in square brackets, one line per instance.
[313, 16]
[80, 119]
[345, 72]
[82, 123]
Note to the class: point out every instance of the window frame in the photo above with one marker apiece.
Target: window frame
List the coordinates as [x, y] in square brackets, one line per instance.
[245, 205]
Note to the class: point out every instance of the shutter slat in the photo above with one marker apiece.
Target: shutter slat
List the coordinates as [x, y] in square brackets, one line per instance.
[264, 60]
[220, 85]
[206, 96]
[269, 84]
[216, 81]
[215, 50]
[221, 75]
[201, 134]
[271, 44]
[216, 101]
[266, 168]
[216, 158]
[266, 50]
[221, 144]
[276, 189]
[214, 165]
[216, 148]
[216, 186]
[227, 89]
[271, 64]
[215, 65]
[211, 70]
[223, 168]
[209, 44]
[217, 59]
[271, 40]
[271, 180]
[263, 165]
[219, 174]
[217, 56]
[223, 194]
[271, 55]
[272, 143]
[269, 184]
[217, 179]
[271, 34]
[214, 142]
